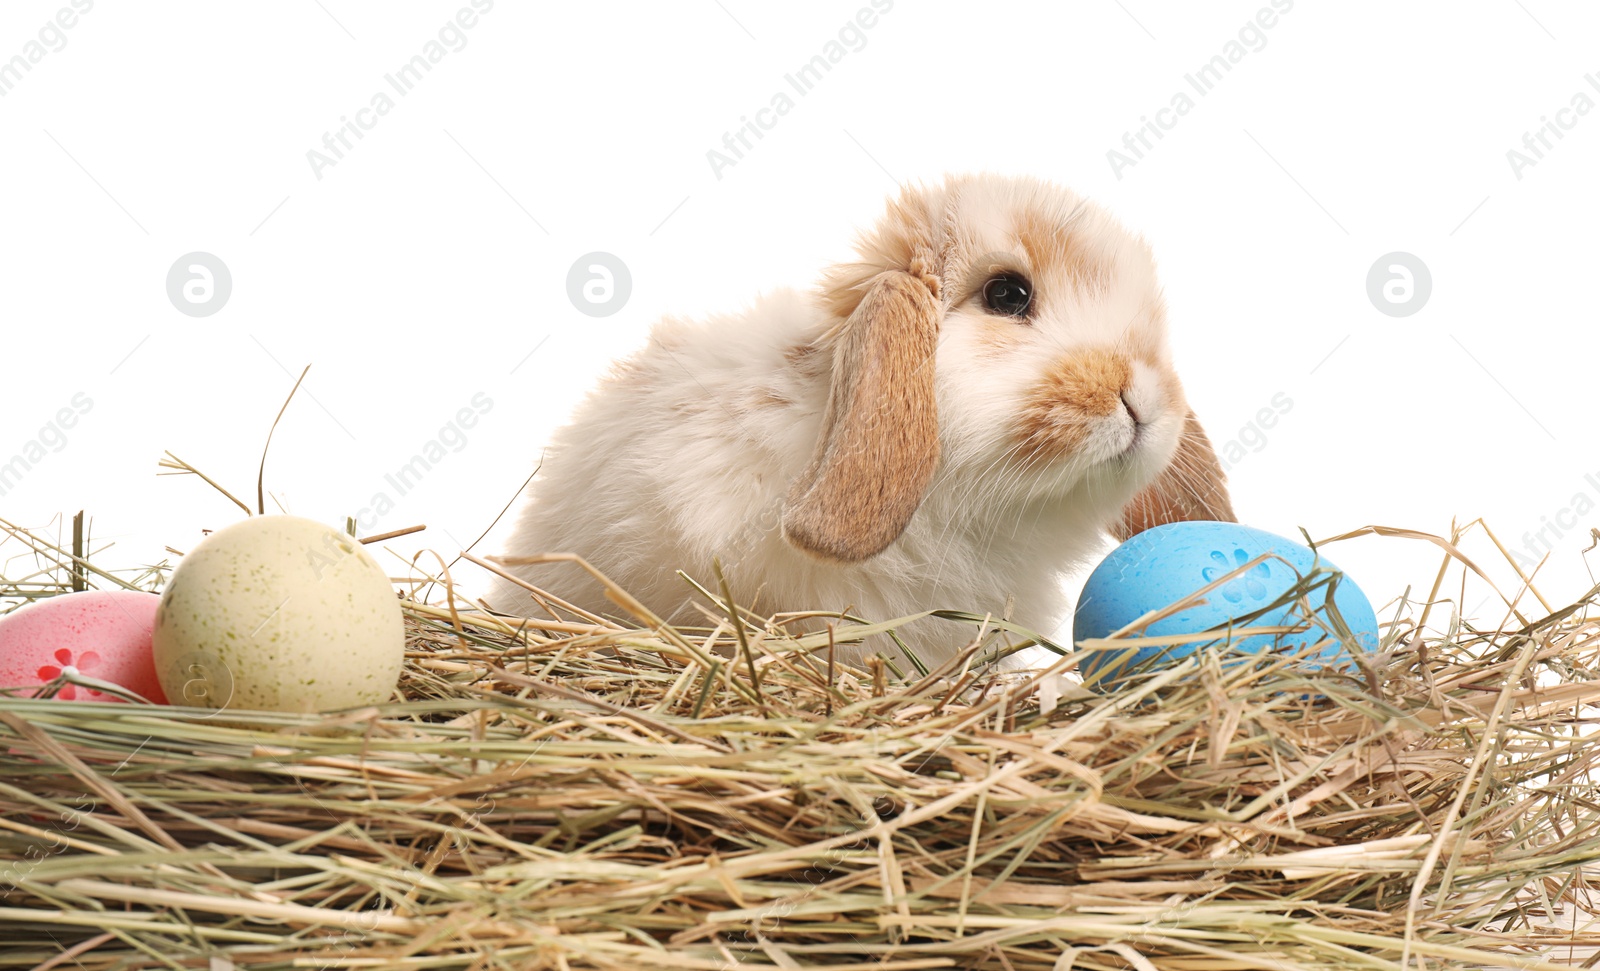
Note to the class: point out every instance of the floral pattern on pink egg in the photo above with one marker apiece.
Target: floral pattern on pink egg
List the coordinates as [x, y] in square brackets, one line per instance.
[101, 634]
[87, 663]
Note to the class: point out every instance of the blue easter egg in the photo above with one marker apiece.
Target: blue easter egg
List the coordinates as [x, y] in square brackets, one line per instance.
[1163, 565]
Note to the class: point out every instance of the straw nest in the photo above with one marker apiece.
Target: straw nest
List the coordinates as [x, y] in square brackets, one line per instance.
[589, 794]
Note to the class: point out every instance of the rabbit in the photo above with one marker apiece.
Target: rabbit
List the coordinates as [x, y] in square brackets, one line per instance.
[955, 419]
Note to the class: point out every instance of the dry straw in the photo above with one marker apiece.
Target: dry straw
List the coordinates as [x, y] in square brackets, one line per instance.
[582, 793]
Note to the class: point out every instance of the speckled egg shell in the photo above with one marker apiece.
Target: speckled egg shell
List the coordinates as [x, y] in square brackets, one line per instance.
[103, 634]
[278, 613]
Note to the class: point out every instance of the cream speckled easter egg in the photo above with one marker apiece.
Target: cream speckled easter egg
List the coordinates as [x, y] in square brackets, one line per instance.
[278, 613]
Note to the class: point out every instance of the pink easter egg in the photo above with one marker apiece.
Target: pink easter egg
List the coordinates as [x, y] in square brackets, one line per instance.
[103, 634]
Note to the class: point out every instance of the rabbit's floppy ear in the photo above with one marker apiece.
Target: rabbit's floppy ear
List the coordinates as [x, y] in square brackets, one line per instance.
[879, 443]
[1191, 487]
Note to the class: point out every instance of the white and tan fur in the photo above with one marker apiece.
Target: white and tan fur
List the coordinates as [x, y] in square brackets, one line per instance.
[812, 445]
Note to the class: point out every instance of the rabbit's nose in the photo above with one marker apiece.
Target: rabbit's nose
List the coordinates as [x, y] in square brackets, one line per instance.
[1127, 402]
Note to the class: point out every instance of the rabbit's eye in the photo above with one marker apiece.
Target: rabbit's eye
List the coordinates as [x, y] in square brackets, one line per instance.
[1008, 295]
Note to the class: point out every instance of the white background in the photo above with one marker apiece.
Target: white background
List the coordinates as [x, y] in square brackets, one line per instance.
[427, 263]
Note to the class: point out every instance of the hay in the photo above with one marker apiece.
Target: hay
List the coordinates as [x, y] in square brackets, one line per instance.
[597, 795]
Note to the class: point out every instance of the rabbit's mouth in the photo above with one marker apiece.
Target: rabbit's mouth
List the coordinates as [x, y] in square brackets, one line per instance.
[1140, 448]
[1137, 439]
[1139, 425]
[1131, 435]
